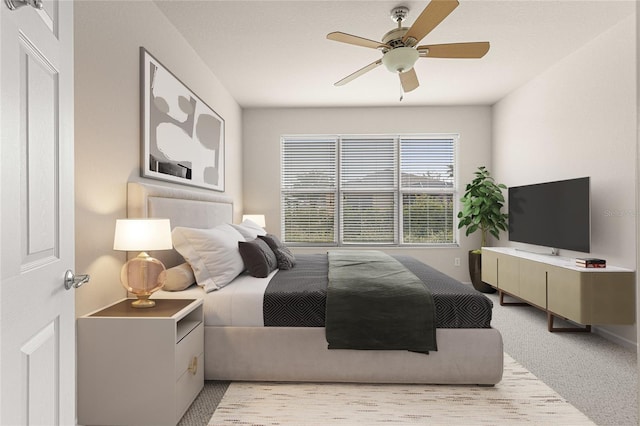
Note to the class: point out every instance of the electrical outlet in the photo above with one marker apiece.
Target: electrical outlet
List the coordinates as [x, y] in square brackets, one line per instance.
[456, 261]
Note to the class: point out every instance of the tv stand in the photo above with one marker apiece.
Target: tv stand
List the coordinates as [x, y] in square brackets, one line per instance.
[584, 296]
[550, 316]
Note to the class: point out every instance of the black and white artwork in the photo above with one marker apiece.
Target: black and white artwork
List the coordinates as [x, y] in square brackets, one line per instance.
[182, 137]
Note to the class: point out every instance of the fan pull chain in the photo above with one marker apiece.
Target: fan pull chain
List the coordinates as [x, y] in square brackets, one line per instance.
[401, 91]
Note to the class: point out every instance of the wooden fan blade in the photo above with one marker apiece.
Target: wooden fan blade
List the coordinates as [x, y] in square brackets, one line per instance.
[358, 41]
[358, 73]
[471, 50]
[409, 80]
[431, 16]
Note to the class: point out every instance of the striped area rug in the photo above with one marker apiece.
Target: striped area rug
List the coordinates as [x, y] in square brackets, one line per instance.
[520, 398]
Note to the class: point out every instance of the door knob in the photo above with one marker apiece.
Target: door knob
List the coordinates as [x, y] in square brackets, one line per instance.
[73, 280]
[15, 4]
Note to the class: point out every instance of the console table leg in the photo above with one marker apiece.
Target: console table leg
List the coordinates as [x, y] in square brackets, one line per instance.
[503, 303]
[551, 328]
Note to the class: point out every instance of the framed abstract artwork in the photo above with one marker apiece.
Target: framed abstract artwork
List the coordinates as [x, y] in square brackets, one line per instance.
[182, 137]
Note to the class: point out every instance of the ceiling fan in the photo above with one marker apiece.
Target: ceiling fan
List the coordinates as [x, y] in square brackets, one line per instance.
[398, 46]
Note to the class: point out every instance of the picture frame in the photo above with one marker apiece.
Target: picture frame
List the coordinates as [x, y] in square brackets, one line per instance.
[182, 137]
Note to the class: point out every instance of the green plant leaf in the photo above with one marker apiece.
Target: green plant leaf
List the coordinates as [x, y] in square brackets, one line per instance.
[481, 205]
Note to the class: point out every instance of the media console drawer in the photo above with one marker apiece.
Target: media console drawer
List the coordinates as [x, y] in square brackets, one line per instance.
[555, 285]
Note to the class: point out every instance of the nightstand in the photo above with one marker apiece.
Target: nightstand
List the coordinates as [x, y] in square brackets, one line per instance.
[140, 366]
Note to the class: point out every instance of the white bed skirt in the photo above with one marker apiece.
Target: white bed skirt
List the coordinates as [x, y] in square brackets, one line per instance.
[464, 356]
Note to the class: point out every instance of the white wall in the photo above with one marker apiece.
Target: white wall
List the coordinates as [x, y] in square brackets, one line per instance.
[262, 129]
[579, 119]
[108, 35]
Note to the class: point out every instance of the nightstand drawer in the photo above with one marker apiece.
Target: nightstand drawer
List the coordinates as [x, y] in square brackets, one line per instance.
[189, 385]
[192, 345]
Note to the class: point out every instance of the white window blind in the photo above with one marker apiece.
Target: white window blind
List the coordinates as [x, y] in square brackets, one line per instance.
[427, 184]
[368, 190]
[428, 218]
[309, 190]
[427, 163]
[368, 176]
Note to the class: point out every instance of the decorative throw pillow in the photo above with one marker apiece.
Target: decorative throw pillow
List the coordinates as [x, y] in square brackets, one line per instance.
[179, 278]
[258, 258]
[286, 259]
[249, 229]
[212, 253]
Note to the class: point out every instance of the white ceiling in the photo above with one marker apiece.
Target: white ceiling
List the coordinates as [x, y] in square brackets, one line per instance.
[275, 53]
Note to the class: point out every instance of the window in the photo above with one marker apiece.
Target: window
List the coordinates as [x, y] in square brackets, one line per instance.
[368, 190]
[428, 188]
[309, 190]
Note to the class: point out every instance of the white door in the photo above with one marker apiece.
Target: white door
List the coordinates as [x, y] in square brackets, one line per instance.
[37, 314]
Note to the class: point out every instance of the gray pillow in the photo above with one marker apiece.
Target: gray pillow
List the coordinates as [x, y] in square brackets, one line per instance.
[286, 259]
[258, 258]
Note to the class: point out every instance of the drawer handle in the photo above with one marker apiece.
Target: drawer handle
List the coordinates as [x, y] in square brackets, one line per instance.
[193, 366]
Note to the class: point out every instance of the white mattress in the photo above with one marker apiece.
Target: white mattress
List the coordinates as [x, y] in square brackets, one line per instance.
[238, 304]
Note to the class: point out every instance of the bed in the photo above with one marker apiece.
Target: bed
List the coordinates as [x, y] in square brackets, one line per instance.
[243, 349]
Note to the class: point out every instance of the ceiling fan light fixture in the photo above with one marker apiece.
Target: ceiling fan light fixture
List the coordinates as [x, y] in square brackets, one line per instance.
[400, 49]
[400, 59]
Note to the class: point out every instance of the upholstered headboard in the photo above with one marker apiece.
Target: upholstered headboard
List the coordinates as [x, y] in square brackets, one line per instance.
[182, 207]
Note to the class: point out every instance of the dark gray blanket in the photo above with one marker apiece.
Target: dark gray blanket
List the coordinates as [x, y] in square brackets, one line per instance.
[296, 297]
[374, 302]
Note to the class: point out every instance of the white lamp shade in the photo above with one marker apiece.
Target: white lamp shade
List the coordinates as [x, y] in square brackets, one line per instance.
[258, 219]
[142, 235]
[400, 59]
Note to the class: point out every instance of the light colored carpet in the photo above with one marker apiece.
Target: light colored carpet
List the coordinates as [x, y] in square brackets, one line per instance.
[595, 375]
[520, 398]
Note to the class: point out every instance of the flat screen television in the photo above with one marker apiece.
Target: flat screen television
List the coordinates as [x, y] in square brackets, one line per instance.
[552, 214]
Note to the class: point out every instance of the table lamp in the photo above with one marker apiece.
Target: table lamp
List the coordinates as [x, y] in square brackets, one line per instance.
[143, 274]
[258, 219]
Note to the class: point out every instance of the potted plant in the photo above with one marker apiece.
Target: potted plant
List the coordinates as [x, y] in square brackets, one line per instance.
[481, 210]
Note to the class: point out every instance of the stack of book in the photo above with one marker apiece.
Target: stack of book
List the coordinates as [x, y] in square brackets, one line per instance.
[591, 263]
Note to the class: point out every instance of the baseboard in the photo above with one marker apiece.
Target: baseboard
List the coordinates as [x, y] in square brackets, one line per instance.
[612, 337]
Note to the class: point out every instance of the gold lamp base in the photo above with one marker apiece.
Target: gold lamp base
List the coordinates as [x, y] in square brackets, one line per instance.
[143, 301]
[142, 276]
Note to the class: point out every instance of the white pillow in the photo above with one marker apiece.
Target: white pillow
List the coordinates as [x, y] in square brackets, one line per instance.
[212, 253]
[249, 229]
